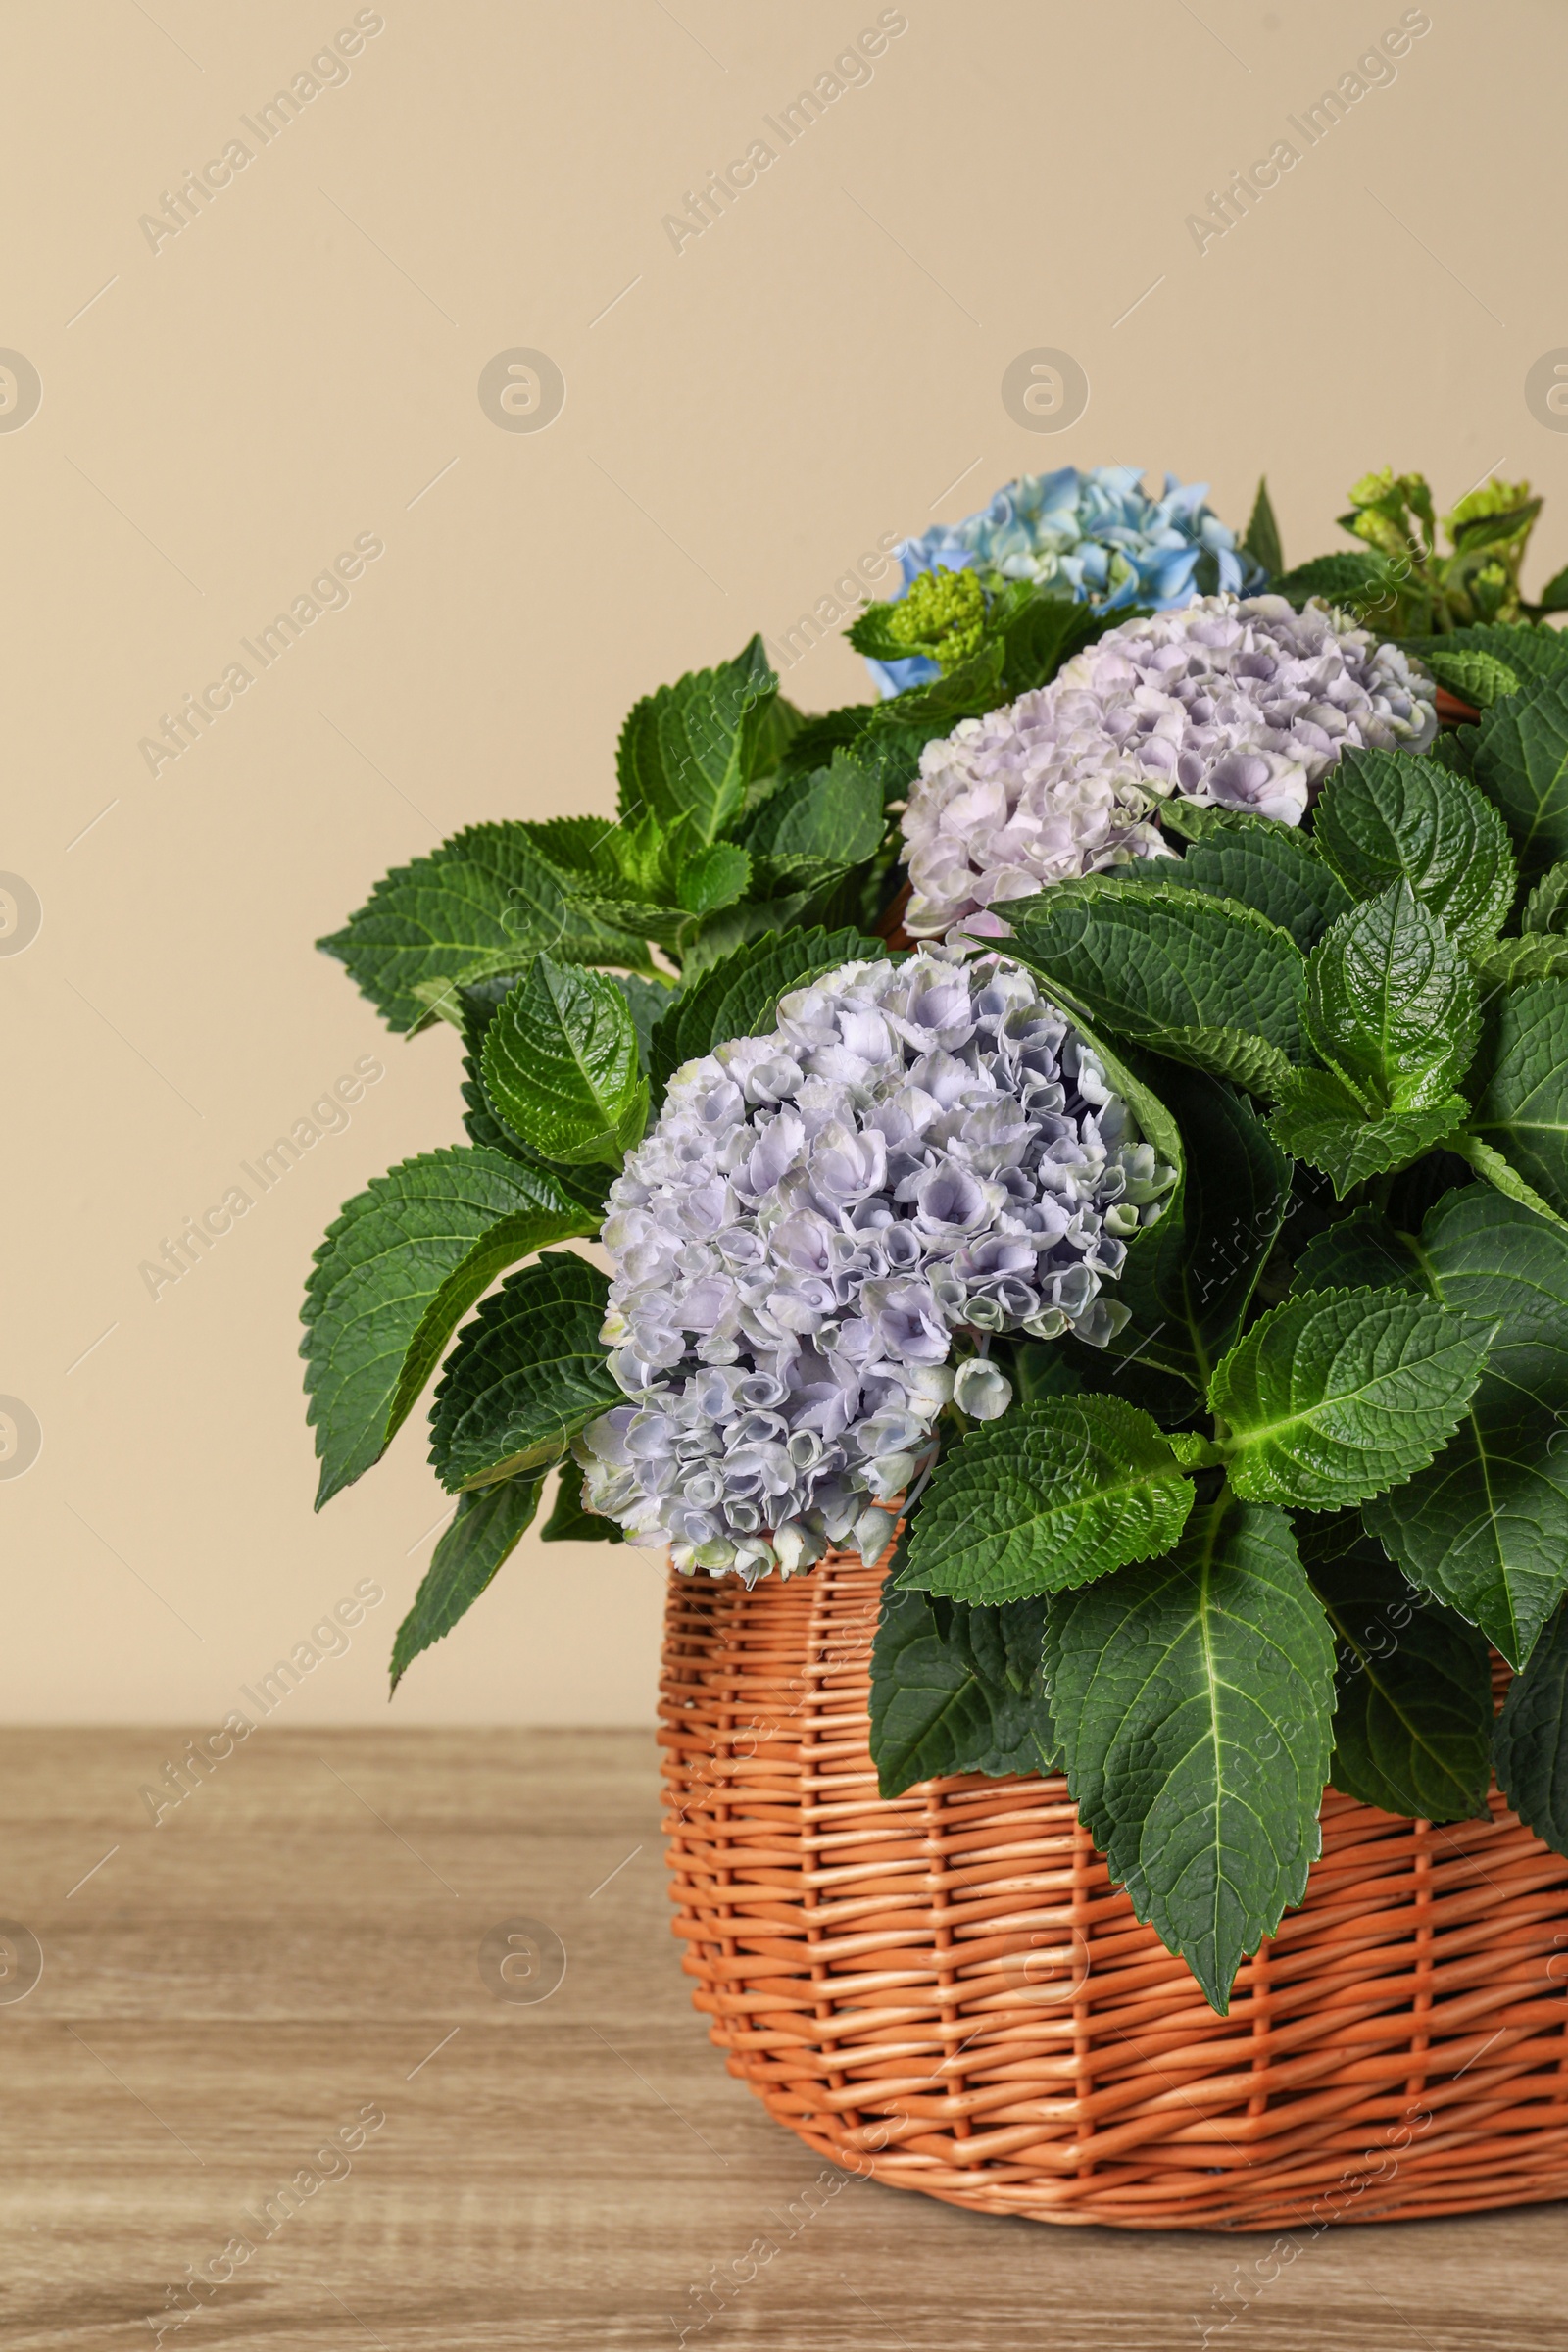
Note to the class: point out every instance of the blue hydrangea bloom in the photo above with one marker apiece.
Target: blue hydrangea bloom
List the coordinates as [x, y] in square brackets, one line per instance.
[1098, 537]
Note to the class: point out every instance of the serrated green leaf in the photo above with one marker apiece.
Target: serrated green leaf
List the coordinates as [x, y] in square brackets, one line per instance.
[1522, 649]
[571, 1521]
[486, 900]
[1050, 1496]
[1042, 631]
[1520, 762]
[1477, 678]
[1361, 1252]
[1493, 529]
[1319, 1119]
[1507, 1180]
[560, 1065]
[1262, 538]
[1341, 1395]
[966, 692]
[1194, 1699]
[738, 996]
[1188, 1283]
[1522, 1107]
[485, 1531]
[1391, 1003]
[687, 751]
[1271, 867]
[1412, 1716]
[824, 732]
[484, 1124]
[1384, 814]
[1547, 907]
[820, 824]
[1530, 1745]
[1485, 1528]
[872, 633]
[397, 1269]
[1202, 980]
[776, 725]
[648, 1002]
[714, 877]
[957, 1689]
[1339, 579]
[1515, 962]
[525, 1375]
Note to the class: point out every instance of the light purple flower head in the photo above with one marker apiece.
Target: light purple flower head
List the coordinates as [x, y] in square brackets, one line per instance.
[920, 1149]
[1239, 703]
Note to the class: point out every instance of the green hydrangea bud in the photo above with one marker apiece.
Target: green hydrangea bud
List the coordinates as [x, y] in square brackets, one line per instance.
[942, 613]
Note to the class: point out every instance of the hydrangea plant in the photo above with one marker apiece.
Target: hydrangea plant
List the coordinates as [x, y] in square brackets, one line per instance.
[1177, 1296]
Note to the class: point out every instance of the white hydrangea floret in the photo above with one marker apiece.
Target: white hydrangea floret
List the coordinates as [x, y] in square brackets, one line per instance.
[1236, 703]
[918, 1149]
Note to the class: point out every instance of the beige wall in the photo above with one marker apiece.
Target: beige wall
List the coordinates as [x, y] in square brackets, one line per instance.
[298, 366]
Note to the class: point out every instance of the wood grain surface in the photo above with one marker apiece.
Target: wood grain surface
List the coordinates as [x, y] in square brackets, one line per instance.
[300, 1946]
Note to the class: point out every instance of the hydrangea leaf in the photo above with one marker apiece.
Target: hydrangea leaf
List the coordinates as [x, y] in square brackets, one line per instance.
[1347, 577]
[482, 1121]
[1194, 1700]
[818, 825]
[1413, 1714]
[1477, 678]
[1337, 1395]
[527, 1374]
[1048, 1497]
[1320, 1120]
[1521, 652]
[1385, 815]
[1188, 1286]
[967, 691]
[824, 732]
[1520, 760]
[571, 1521]
[1495, 1169]
[719, 935]
[738, 997]
[714, 877]
[398, 1267]
[957, 1689]
[1260, 863]
[1521, 1111]
[1391, 1003]
[1513, 962]
[560, 1064]
[1485, 1527]
[648, 1002]
[1530, 1745]
[484, 1533]
[1547, 907]
[1262, 538]
[1361, 1252]
[486, 900]
[1173, 969]
[687, 751]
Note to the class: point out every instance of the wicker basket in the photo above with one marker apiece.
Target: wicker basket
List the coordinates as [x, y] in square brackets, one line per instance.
[944, 1991]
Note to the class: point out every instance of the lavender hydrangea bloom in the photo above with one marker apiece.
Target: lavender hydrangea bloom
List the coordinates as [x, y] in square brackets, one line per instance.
[919, 1148]
[1240, 705]
[1098, 537]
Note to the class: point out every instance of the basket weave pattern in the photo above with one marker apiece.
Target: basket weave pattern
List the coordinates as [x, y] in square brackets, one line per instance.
[945, 1992]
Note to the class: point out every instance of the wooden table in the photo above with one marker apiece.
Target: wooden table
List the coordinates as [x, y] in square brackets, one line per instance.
[295, 1950]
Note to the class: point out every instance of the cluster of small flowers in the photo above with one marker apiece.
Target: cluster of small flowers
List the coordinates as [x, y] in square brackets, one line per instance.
[918, 1149]
[1240, 705]
[1097, 536]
